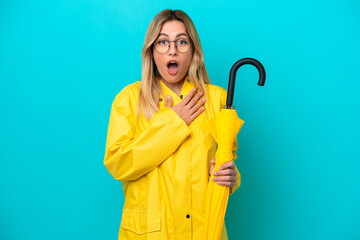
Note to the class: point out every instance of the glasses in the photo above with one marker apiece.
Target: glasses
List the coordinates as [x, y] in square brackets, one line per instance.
[163, 46]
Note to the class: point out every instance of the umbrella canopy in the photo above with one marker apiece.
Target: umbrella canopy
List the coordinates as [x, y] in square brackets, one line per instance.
[224, 127]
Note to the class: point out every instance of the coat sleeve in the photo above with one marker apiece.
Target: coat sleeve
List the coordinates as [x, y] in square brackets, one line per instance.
[235, 146]
[128, 157]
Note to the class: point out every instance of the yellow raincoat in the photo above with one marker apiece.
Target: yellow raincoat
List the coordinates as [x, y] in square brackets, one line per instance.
[163, 164]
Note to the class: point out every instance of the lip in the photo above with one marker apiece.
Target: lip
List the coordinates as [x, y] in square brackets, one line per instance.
[172, 60]
[172, 72]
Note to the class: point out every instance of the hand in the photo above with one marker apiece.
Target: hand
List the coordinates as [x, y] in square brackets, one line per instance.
[212, 162]
[226, 176]
[189, 108]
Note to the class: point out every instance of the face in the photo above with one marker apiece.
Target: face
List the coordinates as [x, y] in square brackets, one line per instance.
[173, 65]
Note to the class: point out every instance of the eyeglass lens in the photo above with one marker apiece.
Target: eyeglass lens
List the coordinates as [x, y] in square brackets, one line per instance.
[162, 46]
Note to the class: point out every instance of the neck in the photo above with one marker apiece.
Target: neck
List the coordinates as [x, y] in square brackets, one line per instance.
[175, 87]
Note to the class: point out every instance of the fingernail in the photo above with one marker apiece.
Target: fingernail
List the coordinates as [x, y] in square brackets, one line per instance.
[168, 96]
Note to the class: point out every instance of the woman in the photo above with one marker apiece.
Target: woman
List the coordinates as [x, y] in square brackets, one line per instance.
[158, 144]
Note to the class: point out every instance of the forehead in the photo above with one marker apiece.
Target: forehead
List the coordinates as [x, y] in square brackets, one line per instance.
[173, 28]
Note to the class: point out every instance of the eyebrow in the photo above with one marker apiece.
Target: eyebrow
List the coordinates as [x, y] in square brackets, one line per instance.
[180, 34]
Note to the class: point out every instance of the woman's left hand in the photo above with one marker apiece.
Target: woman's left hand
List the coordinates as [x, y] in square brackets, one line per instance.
[226, 176]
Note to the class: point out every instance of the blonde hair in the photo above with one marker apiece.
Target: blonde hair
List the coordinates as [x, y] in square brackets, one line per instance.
[150, 88]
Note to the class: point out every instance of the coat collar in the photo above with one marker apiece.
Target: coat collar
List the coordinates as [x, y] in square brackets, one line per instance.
[187, 86]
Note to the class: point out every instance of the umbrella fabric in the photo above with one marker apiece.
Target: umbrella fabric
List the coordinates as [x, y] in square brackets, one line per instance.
[224, 127]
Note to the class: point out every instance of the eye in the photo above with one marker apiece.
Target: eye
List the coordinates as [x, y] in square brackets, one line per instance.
[182, 42]
[162, 42]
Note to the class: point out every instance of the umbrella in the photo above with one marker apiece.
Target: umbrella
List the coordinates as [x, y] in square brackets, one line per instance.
[224, 127]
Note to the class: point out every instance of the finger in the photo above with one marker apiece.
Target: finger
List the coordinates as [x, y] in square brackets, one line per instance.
[224, 179]
[195, 99]
[225, 183]
[229, 164]
[169, 101]
[188, 97]
[212, 162]
[197, 113]
[226, 172]
[197, 106]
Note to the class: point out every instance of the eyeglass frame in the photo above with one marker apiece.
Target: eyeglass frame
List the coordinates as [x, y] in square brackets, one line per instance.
[169, 46]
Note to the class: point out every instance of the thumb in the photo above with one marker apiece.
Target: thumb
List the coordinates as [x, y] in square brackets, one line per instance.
[212, 166]
[169, 101]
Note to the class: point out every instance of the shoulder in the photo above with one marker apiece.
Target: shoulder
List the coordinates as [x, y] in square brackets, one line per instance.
[129, 90]
[216, 89]
[216, 92]
[128, 93]
[127, 99]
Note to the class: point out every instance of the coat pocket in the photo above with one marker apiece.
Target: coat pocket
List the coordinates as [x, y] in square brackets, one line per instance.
[141, 222]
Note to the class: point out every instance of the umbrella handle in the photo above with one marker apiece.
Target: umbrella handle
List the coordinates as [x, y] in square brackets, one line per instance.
[231, 87]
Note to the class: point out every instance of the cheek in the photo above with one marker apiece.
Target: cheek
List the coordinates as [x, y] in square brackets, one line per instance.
[158, 61]
[188, 60]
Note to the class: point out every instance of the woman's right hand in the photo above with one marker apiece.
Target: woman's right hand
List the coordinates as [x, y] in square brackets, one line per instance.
[190, 107]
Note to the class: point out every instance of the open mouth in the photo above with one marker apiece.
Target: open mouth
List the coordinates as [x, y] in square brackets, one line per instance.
[172, 67]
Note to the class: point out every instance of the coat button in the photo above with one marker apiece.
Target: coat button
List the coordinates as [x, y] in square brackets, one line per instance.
[187, 216]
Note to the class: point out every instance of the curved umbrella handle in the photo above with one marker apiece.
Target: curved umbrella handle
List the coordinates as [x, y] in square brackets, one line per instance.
[231, 87]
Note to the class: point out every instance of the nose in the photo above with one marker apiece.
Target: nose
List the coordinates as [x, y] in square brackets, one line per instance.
[173, 49]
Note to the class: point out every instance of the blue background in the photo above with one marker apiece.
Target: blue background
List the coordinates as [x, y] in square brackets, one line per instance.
[63, 62]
